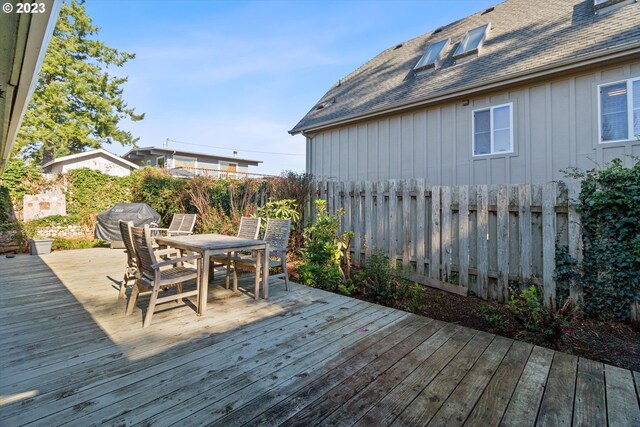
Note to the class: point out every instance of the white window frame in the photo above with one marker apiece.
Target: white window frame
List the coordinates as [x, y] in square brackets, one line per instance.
[491, 130]
[438, 58]
[630, 134]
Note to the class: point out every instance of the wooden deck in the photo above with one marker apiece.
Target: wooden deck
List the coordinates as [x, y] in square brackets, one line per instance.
[69, 356]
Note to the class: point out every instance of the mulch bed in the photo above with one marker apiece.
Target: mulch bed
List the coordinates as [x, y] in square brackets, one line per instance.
[608, 341]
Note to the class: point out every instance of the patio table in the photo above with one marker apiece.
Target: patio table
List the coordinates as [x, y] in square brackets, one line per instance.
[212, 244]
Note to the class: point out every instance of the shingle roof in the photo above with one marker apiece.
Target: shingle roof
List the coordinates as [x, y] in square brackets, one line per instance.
[525, 36]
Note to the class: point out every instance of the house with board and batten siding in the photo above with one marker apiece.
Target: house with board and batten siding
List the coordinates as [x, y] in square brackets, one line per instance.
[512, 94]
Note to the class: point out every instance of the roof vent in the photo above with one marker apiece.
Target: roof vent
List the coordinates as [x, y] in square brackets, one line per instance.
[320, 107]
[488, 10]
[437, 30]
[398, 46]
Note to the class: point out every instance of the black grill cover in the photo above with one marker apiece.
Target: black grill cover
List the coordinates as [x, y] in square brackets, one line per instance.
[107, 227]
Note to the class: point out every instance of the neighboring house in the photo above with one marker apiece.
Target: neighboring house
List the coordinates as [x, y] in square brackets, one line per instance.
[99, 159]
[186, 163]
[512, 94]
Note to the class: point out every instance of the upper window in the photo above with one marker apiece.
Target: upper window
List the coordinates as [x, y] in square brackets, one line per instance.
[620, 111]
[432, 55]
[471, 41]
[493, 130]
[604, 4]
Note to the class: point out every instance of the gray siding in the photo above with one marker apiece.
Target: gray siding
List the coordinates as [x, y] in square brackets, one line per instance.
[555, 125]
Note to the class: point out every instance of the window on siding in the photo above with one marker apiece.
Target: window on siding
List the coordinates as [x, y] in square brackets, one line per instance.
[431, 55]
[471, 41]
[620, 111]
[493, 130]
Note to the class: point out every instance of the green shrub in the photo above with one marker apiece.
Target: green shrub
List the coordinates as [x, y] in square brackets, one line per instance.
[281, 209]
[546, 324]
[323, 251]
[380, 283]
[62, 243]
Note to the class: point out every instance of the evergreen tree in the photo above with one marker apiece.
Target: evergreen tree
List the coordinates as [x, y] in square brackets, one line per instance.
[77, 104]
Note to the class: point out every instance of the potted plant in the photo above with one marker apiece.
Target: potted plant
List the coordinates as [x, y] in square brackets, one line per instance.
[40, 246]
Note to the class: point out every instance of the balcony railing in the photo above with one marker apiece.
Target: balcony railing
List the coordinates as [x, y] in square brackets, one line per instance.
[215, 173]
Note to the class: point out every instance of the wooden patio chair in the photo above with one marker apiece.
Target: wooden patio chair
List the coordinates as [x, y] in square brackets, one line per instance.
[181, 225]
[277, 236]
[249, 229]
[153, 275]
[131, 269]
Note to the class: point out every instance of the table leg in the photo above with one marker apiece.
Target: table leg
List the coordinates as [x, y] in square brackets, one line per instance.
[204, 284]
[265, 272]
[256, 287]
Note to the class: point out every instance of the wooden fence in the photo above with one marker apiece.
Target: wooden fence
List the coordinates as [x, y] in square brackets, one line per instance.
[478, 239]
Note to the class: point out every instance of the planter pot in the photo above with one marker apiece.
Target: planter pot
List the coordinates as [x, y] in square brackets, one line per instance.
[40, 246]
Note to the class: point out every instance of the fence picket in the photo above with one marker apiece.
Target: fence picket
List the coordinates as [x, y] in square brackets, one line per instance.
[368, 217]
[393, 227]
[406, 224]
[549, 243]
[503, 243]
[434, 258]
[463, 224]
[420, 228]
[524, 199]
[482, 251]
[445, 229]
[575, 238]
[380, 215]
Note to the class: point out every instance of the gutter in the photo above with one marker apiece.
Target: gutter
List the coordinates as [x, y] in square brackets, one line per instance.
[627, 50]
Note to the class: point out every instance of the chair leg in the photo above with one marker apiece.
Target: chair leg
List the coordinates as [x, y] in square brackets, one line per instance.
[286, 273]
[179, 290]
[235, 278]
[151, 308]
[123, 286]
[133, 298]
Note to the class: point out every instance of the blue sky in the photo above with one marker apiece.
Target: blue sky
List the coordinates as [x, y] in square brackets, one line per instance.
[240, 74]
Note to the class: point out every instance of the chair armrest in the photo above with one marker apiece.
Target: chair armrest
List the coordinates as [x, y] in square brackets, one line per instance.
[184, 233]
[158, 229]
[175, 261]
[168, 251]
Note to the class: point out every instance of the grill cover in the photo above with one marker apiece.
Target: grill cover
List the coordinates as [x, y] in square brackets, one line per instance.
[107, 227]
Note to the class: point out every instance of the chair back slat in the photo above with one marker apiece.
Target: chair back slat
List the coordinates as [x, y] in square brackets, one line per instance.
[182, 223]
[249, 228]
[144, 251]
[125, 231]
[188, 222]
[277, 233]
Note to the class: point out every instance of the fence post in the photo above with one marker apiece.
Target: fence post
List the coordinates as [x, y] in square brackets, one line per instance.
[368, 217]
[549, 243]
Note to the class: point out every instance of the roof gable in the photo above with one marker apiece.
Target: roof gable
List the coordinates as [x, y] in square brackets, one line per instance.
[104, 153]
[524, 36]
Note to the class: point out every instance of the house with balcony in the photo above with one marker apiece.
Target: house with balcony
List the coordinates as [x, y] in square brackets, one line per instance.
[186, 164]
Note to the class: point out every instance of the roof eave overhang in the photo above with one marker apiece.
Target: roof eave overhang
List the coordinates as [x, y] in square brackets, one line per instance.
[622, 53]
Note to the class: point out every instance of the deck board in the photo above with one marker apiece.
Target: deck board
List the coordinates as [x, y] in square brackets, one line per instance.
[69, 355]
